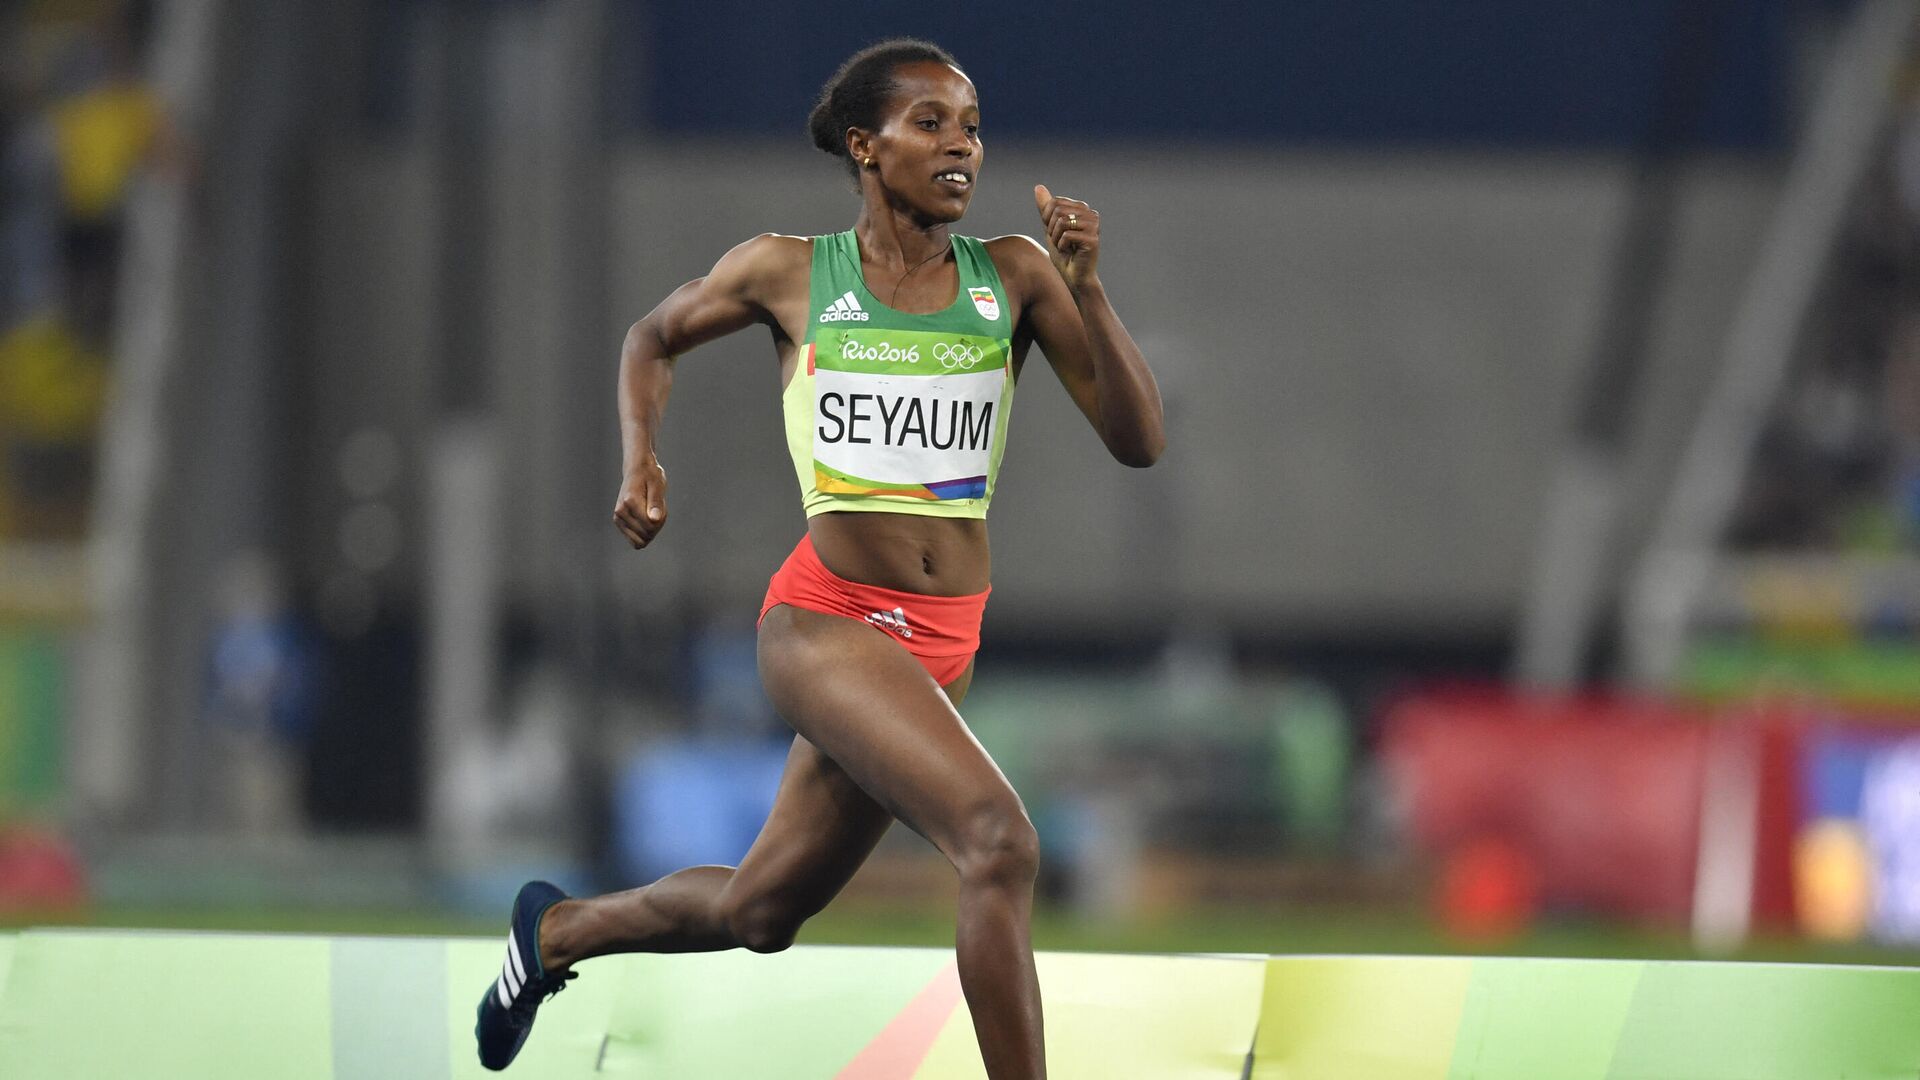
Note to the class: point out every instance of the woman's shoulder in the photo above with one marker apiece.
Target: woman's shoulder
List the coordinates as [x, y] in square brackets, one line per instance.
[765, 259]
[1017, 255]
[770, 247]
[1014, 246]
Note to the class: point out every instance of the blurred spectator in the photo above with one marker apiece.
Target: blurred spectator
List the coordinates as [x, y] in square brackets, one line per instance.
[107, 124]
[261, 684]
[29, 208]
[1903, 407]
[1839, 466]
[1902, 388]
[52, 387]
[77, 125]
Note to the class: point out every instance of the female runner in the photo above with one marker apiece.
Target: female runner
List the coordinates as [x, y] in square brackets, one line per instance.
[900, 344]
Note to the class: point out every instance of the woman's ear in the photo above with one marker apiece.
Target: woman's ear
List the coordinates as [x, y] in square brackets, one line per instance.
[860, 147]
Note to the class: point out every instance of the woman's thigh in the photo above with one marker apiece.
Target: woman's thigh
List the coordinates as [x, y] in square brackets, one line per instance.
[821, 829]
[865, 703]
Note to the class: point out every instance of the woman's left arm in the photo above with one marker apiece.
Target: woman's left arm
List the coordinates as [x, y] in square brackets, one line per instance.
[1068, 314]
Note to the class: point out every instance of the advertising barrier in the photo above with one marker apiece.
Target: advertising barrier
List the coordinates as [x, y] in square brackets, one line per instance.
[109, 1005]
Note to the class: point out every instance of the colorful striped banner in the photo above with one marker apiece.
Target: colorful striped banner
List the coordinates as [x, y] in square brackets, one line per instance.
[214, 1006]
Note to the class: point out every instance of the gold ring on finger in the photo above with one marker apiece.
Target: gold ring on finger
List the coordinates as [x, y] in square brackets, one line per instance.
[1072, 220]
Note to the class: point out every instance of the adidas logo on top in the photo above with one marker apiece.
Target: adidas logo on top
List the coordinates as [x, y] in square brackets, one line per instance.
[845, 309]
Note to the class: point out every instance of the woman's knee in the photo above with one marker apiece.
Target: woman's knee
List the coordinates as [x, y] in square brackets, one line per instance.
[997, 845]
[763, 923]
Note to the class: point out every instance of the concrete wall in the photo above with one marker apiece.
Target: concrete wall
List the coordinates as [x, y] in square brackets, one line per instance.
[1368, 362]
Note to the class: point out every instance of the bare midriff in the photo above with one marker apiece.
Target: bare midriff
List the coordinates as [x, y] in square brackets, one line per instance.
[911, 553]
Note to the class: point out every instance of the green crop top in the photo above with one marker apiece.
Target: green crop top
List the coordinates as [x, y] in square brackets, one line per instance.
[901, 413]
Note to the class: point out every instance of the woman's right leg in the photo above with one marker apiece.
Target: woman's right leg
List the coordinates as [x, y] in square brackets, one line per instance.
[821, 829]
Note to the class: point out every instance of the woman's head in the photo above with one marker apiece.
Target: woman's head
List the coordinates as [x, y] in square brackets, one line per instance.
[900, 109]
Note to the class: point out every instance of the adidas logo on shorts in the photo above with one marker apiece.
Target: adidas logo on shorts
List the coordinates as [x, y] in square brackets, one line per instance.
[895, 620]
[845, 309]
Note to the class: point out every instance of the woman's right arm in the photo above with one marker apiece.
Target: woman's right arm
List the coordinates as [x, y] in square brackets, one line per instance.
[738, 292]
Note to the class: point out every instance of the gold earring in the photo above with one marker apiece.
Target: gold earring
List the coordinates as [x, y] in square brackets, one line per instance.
[869, 163]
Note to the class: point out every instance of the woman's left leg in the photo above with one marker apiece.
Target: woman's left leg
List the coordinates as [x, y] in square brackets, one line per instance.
[868, 705]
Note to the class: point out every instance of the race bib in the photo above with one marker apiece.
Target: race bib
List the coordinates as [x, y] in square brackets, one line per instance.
[905, 413]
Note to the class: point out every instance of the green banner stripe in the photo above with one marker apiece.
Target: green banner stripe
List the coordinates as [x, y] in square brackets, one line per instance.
[214, 1006]
[1149, 1016]
[1324, 1016]
[1771, 1022]
[381, 989]
[809, 1010]
[37, 739]
[1518, 1019]
[14, 708]
[32, 665]
[1525, 1019]
[207, 1006]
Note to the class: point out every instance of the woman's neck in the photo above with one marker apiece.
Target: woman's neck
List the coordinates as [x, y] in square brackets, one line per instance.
[891, 239]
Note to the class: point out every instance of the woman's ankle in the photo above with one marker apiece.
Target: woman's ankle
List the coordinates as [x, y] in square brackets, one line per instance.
[557, 945]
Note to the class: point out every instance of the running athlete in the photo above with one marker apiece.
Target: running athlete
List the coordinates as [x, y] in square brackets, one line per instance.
[900, 344]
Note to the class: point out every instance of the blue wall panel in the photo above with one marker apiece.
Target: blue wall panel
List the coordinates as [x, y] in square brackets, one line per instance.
[1582, 73]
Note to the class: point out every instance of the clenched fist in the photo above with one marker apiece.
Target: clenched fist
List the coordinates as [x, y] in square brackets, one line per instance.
[1073, 234]
[641, 511]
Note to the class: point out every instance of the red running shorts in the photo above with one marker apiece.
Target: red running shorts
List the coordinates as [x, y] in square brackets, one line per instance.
[942, 632]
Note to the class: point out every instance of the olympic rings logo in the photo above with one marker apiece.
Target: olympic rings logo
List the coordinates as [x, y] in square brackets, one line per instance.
[957, 357]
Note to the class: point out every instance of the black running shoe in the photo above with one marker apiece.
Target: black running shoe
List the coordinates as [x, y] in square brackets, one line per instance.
[506, 1013]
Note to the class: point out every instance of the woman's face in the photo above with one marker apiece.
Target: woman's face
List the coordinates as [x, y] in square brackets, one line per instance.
[927, 151]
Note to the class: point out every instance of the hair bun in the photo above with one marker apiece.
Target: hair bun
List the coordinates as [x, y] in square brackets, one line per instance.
[857, 95]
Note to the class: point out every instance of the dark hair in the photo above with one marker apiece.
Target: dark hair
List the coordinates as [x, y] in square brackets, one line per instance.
[857, 94]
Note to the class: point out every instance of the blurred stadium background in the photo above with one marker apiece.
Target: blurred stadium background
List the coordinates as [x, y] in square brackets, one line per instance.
[1535, 568]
